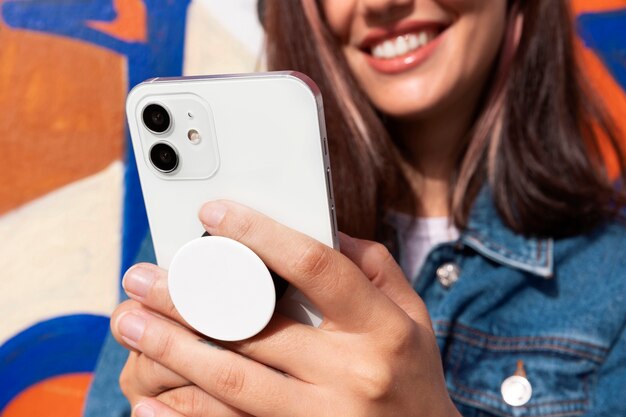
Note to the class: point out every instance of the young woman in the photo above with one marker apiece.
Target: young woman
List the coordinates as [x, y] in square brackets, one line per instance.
[463, 138]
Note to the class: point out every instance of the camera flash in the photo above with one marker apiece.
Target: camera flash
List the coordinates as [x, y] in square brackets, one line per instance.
[194, 136]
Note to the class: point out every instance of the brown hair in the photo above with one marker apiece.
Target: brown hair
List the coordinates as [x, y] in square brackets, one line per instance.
[535, 139]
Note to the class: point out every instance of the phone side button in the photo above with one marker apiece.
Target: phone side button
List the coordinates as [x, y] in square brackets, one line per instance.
[329, 184]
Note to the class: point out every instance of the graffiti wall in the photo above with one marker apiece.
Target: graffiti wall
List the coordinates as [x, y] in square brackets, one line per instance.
[71, 214]
[601, 25]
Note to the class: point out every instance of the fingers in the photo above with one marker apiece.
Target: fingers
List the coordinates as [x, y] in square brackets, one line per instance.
[132, 305]
[143, 377]
[147, 283]
[184, 402]
[333, 283]
[227, 376]
[292, 348]
[384, 272]
[284, 344]
[191, 401]
[149, 407]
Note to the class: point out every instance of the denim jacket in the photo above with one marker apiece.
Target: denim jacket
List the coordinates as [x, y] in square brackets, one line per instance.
[501, 304]
[552, 309]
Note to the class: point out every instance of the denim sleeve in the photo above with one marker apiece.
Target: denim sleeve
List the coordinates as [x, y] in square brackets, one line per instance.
[105, 398]
[608, 399]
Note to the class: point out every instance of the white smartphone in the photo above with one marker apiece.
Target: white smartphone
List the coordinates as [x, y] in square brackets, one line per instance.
[256, 139]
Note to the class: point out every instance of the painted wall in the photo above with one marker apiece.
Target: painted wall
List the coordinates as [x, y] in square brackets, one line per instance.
[602, 29]
[71, 214]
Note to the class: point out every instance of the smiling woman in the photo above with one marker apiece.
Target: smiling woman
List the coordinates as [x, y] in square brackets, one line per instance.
[465, 140]
[491, 66]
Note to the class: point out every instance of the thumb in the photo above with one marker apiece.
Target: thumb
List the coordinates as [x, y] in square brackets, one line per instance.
[377, 263]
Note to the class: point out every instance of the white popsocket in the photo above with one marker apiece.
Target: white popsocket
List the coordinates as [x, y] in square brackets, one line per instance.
[221, 288]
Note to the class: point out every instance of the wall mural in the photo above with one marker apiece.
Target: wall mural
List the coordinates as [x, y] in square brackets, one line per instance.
[71, 213]
[69, 190]
[601, 25]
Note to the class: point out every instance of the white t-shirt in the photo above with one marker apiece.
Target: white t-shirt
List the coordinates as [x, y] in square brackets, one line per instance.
[417, 240]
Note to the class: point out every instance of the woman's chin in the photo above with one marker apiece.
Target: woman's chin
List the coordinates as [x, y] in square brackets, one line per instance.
[402, 99]
[407, 110]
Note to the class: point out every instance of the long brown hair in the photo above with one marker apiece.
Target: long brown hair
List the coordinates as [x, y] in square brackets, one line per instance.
[535, 139]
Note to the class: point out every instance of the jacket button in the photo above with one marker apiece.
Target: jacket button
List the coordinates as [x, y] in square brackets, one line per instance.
[516, 390]
[448, 274]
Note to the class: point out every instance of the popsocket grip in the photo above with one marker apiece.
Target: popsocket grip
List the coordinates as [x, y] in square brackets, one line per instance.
[221, 288]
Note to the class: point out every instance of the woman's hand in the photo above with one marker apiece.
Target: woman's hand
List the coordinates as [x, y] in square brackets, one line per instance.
[154, 390]
[374, 355]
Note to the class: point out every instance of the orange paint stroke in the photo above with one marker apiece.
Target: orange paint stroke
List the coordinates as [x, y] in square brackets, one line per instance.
[612, 97]
[62, 396]
[591, 6]
[62, 104]
[601, 81]
[131, 23]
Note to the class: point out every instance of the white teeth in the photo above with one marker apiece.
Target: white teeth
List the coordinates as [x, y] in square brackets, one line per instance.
[389, 49]
[423, 38]
[378, 51]
[401, 45]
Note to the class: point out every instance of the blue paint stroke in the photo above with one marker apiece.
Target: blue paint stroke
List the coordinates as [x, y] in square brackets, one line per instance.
[59, 346]
[605, 33]
[161, 56]
[72, 344]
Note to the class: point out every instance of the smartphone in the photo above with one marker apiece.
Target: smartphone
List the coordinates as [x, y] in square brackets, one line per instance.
[256, 139]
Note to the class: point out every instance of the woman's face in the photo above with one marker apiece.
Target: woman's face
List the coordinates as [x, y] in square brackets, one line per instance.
[419, 57]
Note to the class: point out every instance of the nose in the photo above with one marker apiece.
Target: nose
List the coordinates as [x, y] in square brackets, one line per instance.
[384, 11]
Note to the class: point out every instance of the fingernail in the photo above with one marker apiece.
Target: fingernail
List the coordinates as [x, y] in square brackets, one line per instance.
[142, 410]
[212, 214]
[131, 327]
[138, 281]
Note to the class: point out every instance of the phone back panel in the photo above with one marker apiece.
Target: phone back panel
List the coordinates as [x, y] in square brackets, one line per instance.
[270, 154]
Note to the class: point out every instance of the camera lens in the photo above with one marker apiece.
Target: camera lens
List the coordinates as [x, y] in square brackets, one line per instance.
[156, 118]
[164, 157]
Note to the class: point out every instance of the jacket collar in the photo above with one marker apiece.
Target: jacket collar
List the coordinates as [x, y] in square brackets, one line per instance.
[489, 236]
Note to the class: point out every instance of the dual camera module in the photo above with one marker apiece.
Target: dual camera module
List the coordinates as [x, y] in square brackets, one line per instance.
[157, 119]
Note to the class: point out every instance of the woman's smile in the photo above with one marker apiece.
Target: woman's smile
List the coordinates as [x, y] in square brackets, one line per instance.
[402, 47]
[418, 58]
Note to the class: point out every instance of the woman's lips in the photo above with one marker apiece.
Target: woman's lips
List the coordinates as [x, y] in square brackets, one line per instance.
[402, 47]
